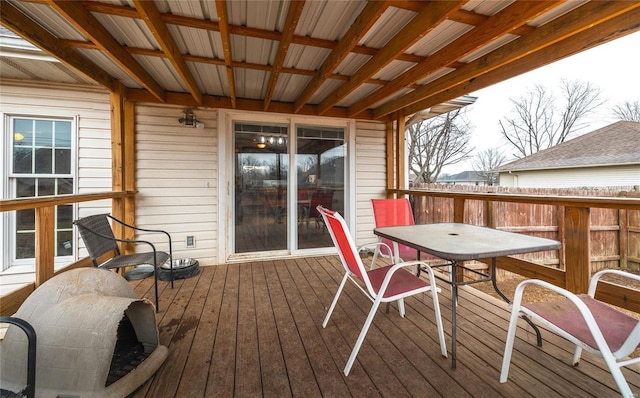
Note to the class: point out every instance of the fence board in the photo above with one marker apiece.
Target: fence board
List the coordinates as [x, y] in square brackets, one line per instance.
[614, 236]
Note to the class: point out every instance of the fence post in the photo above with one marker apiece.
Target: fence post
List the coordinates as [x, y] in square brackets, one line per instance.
[491, 221]
[577, 248]
[458, 210]
[623, 235]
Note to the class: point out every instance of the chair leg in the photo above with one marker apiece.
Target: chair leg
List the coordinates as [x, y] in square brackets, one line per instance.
[401, 307]
[376, 253]
[438, 315]
[576, 356]
[511, 335]
[155, 286]
[621, 382]
[335, 300]
[363, 333]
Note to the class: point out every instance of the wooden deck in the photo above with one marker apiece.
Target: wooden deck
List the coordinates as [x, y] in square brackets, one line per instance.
[251, 330]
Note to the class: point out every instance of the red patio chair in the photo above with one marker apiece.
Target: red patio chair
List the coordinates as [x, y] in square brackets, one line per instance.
[324, 199]
[390, 213]
[381, 285]
[586, 322]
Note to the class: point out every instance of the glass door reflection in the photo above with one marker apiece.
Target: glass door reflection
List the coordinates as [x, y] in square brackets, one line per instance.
[261, 180]
[320, 171]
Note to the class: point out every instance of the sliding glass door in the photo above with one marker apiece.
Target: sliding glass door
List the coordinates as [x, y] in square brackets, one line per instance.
[279, 183]
[261, 186]
[320, 169]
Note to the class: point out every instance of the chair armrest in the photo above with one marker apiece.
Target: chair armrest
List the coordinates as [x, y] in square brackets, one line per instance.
[134, 227]
[144, 230]
[556, 289]
[396, 267]
[375, 245]
[593, 284]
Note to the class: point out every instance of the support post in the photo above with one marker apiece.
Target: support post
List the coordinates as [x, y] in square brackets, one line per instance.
[45, 247]
[400, 152]
[117, 157]
[577, 248]
[129, 168]
[389, 157]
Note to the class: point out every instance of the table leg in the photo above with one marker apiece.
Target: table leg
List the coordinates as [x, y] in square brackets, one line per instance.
[506, 299]
[454, 304]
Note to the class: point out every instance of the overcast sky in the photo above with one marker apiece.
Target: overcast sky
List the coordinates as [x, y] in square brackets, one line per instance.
[613, 67]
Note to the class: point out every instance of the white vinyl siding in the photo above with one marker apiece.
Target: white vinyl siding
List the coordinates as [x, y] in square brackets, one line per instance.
[91, 109]
[176, 177]
[588, 177]
[370, 180]
[177, 167]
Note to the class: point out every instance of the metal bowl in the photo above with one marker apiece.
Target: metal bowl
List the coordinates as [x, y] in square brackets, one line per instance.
[180, 263]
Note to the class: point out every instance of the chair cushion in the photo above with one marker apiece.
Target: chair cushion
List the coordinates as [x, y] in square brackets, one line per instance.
[402, 281]
[614, 324]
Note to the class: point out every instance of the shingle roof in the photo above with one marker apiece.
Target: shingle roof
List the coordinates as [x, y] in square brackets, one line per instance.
[617, 143]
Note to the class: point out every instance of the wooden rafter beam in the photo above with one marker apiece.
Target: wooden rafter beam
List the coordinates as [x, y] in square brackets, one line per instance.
[223, 23]
[612, 29]
[369, 15]
[576, 21]
[152, 18]
[431, 15]
[212, 101]
[88, 25]
[218, 61]
[290, 24]
[462, 16]
[501, 23]
[20, 24]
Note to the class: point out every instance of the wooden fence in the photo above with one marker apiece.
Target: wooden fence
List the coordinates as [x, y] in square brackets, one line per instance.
[614, 233]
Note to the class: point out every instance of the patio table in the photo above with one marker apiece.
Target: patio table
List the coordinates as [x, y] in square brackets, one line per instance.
[458, 242]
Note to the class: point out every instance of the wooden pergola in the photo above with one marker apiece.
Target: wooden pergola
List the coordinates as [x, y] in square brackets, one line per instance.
[477, 44]
[376, 60]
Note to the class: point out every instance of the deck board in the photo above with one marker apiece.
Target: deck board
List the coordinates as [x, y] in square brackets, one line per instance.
[255, 330]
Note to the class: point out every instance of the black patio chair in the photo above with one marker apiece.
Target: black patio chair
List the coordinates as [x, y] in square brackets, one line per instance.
[98, 237]
[30, 389]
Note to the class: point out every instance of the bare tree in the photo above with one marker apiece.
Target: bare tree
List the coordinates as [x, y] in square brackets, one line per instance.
[538, 122]
[437, 142]
[487, 160]
[629, 111]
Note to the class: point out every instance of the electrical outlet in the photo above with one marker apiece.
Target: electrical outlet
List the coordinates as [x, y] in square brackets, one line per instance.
[191, 241]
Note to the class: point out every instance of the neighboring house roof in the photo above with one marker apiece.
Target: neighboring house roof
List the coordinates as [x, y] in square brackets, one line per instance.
[465, 176]
[615, 144]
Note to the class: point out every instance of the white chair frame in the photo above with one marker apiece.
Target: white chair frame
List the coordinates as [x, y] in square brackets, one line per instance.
[614, 360]
[377, 297]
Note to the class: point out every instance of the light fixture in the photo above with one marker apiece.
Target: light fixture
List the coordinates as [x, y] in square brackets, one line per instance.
[189, 119]
[271, 140]
[18, 136]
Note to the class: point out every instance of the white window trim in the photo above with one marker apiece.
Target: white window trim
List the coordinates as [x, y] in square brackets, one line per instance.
[7, 220]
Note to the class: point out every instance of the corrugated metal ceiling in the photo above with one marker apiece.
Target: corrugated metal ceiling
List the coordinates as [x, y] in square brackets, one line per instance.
[335, 58]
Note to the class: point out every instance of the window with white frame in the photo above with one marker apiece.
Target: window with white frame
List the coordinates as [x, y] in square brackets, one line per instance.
[41, 165]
